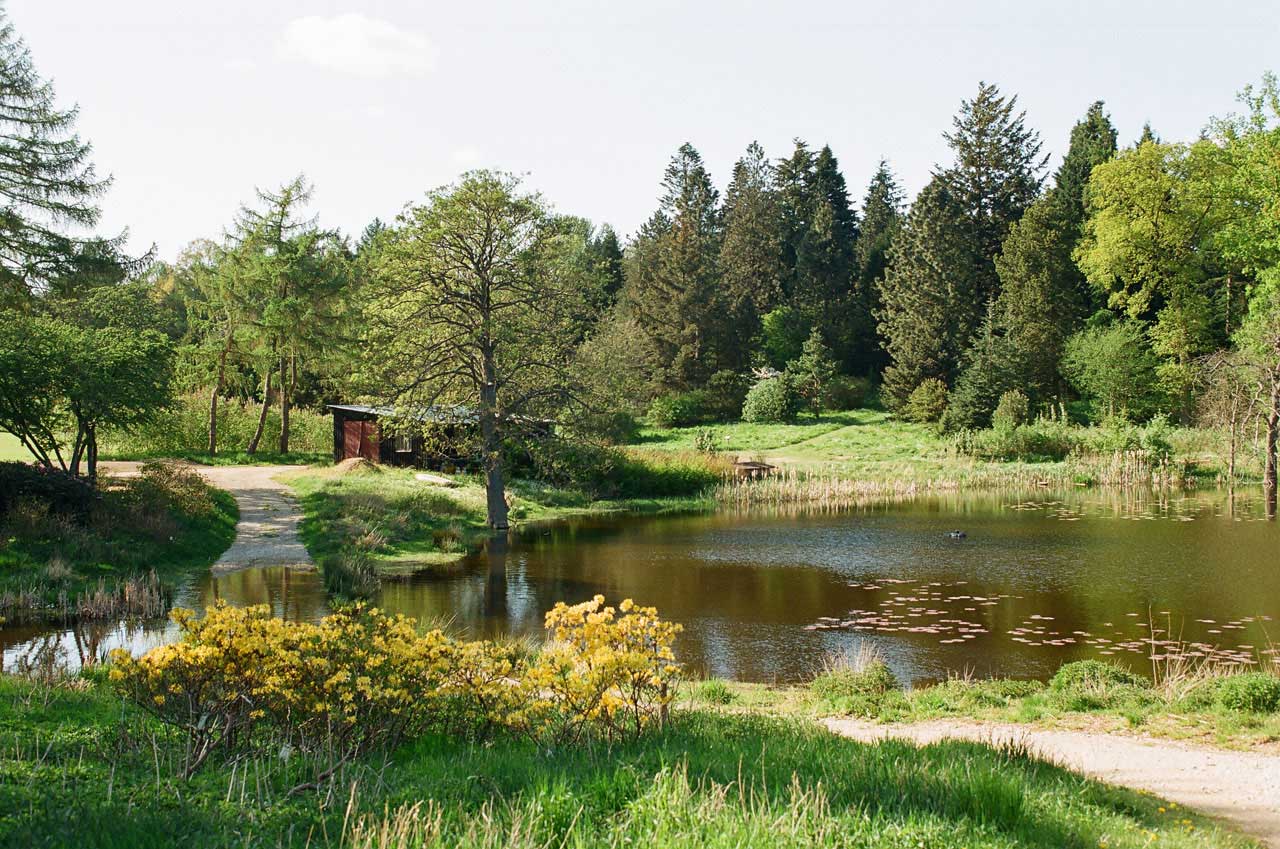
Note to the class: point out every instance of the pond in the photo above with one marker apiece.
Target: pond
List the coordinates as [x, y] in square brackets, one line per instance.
[1035, 581]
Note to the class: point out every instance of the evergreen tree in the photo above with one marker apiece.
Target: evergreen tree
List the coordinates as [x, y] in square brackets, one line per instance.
[50, 187]
[989, 371]
[605, 254]
[814, 371]
[881, 220]
[794, 177]
[995, 177]
[825, 271]
[929, 309]
[751, 254]
[672, 278]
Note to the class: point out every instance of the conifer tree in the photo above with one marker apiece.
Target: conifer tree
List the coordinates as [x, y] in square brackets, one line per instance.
[995, 176]
[881, 220]
[672, 286]
[751, 254]
[814, 371]
[794, 177]
[49, 189]
[825, 271]
[929, 310]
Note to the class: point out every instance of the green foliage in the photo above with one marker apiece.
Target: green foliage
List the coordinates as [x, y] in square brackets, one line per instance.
[182, 430]
[725, 392]
[1258, 692]
[772, 400]
[859, 689]
[680, 409]
[927, 402]
[848, 393]
[782, 334]
[1013, 410]
[53, 490]
[813, 373]
[1086, 675]
[713, 691]
[1113, 365]
[705, 441]
[141, 535]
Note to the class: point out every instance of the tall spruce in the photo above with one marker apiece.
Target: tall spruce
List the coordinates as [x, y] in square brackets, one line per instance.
[929, 310]
[672, 277]
[996, 175]
[48, 187]
[825, 271]
[793, 177]
[751, 253]
[881, 221]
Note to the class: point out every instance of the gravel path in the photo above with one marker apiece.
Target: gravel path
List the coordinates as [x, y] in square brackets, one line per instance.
[267, 534]
[1240, 788]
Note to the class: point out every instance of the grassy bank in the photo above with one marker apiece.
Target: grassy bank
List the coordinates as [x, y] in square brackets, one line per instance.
[376, 521]
[862, 454]
[80, 767]
[118, 557]
[1221, 707]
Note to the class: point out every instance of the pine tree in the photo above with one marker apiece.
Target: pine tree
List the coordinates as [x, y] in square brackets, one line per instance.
[605, 253]
[929, 309]
[825, 271]
[881, 221]
[50, 186]
[793, 177]
[995, 177]
[814, 371]
[751, 254]
[672, 278]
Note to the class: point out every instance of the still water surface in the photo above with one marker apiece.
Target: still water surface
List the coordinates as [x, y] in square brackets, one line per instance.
[1037, 580]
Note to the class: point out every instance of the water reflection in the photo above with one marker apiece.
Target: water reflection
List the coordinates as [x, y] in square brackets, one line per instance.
[1041, 578]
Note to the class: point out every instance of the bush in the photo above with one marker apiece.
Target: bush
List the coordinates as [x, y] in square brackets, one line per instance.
[713, 691]
[771, 401]
[608, 472]
[52, 491]
[1257, 692]
[848, 393]
[856, 684]
[678, 410]
[1012, 410]
[926, 403]
[705, 441]
[615, 428]
[183, 429]
[361, 679]
[725, 393]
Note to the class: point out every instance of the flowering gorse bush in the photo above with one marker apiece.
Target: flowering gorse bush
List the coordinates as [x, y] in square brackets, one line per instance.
[361, 678]
[602, 670]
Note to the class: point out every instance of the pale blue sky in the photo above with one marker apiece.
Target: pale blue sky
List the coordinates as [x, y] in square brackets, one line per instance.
[190, 105]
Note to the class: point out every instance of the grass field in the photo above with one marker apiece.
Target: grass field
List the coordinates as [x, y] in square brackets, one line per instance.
[12, 449]
[79, 768]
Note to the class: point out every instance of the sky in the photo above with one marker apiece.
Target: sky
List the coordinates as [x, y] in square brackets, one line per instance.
[191, 105]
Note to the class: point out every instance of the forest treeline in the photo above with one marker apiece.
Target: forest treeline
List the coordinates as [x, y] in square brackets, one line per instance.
[1117, 282]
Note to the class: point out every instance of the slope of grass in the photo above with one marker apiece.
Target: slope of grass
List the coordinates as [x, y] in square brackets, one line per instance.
[81, 768]
[139, 527]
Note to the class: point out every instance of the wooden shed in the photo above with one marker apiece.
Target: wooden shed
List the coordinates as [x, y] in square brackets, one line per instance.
[358, 432]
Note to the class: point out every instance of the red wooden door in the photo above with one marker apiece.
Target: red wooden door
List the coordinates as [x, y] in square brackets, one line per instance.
[369, 441]
[351, 433]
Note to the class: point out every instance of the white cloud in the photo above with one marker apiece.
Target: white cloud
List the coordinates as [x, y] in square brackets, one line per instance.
[355, 44]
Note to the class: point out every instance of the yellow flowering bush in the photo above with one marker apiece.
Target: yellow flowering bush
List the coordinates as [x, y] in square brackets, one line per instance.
[361, 678]
[607, 669]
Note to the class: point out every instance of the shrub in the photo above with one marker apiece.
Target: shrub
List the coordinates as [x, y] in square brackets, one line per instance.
[856, 683]
[725, 393]
[361, 679]
[927, 402]
[51, 490]
[771, 401]
[615, 428]
[848, 393]
[713, 691]
[604, 671]
[678, 410]
[1258, 692]
[705, 440]
[608, 472]
[1012, 410]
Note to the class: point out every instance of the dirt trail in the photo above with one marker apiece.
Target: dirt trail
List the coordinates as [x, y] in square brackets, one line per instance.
[267, 533]
[1240, 788]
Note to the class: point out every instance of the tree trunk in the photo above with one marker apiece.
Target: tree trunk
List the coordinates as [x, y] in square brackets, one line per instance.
[1273, 434]
[92, 454]
[286, 387]
[262, 416]
[495, 495]
[215, 394]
